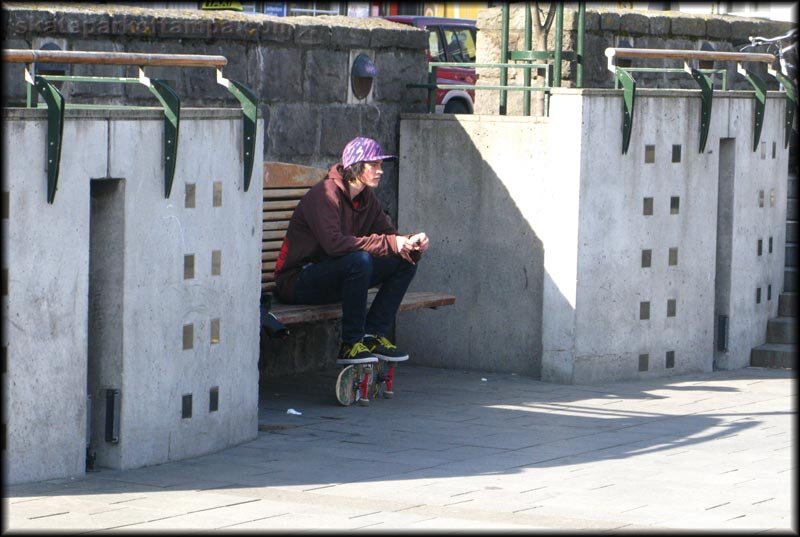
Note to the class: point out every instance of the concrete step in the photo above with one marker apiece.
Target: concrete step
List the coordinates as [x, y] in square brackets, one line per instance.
[791, 209]
[791, 255]
[790, 280]
[791, 231]
[775, 355]
[787, 305]
[782, 330]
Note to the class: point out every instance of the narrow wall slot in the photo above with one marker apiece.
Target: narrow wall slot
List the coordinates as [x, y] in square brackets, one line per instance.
[112, 415]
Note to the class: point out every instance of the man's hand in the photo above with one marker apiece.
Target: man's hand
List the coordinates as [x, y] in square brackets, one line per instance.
[419, 241]
[411, 248]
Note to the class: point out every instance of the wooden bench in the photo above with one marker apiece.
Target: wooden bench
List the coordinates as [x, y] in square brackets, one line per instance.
[284, 184]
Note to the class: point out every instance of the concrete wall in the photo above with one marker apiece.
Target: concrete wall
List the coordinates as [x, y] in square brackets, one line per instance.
[45, 302]
[538, 228]
[99, 294]
[606, 27]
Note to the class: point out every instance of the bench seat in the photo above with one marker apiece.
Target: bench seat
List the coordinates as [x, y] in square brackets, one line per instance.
[289, 314]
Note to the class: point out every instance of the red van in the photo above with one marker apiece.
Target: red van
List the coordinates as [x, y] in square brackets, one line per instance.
[449, 40]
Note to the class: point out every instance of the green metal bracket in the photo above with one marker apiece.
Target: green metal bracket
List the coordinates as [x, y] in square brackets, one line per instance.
[249, 103]
[706, 94]
[172, 118]
[760, 103]
[628, 97]
[791, 104]
[55, 131]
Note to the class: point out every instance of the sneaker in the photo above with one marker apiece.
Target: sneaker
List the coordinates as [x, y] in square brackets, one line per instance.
[357, 353]
[384, 349]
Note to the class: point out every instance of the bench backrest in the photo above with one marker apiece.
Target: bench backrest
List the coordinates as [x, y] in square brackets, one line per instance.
[284, 184]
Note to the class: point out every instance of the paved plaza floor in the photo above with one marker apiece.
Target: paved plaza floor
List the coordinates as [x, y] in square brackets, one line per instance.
[467, 451]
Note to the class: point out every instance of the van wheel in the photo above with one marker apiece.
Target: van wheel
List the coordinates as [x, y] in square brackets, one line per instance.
[456, 107]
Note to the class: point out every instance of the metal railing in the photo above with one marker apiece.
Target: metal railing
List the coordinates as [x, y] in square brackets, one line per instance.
[552, 63]
[623, 77]
[169, 99]
[434, 82]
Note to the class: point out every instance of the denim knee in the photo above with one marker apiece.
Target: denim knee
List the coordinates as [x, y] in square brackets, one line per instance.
[359, 262]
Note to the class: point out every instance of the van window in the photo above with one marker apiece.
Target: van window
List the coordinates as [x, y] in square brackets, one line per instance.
[434, 47]
[460, 44]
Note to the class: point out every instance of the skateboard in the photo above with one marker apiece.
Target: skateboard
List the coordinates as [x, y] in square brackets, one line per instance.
[353, 382]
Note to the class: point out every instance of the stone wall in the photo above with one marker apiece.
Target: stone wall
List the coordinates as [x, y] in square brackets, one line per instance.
[606, 28]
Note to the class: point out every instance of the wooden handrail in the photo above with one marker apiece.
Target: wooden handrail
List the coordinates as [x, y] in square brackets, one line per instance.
[706, 55]
[113, 58]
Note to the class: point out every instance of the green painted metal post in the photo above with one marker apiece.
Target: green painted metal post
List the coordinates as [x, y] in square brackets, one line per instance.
[559, 45]
[791, 104]
[759, 103]
[504, 59]
[249, 102]
[706, 94]
[579, 45]
[55, 132]
[172, 118]
[628, 99]
[526, 101]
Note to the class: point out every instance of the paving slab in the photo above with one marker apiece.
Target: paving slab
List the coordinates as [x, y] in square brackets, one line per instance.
[452, 451]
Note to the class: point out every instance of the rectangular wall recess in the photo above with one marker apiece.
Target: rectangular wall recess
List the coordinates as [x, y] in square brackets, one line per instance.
[188, 336]
[186, 406]
[647, 207]
[213, 399]
[676, 153]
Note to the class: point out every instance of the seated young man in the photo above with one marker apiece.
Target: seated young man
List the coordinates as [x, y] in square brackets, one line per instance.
[340, 243]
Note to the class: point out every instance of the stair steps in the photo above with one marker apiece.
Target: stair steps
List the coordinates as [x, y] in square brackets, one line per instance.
[780, 350]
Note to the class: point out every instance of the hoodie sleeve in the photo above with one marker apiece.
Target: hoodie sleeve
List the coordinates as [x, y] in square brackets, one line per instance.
[323, 216]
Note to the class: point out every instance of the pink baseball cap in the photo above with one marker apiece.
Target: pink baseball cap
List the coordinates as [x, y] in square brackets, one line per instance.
[363, 150]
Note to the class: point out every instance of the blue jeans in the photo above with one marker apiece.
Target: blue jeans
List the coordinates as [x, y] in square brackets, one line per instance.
[347, 279]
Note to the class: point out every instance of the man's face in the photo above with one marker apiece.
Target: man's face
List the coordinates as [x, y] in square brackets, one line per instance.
[372, 173]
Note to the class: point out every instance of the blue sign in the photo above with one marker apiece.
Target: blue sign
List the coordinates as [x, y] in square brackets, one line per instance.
[276, 9]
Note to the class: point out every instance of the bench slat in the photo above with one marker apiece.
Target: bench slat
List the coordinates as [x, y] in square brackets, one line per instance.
[271, 245]
[282, 225]
[280, 205]
[277, 215]
[301, 313]
[273, 235]
[284, 193]
[270, 255]
[285, 175]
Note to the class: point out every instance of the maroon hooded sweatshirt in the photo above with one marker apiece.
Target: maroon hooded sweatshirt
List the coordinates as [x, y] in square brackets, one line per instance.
[328, 223]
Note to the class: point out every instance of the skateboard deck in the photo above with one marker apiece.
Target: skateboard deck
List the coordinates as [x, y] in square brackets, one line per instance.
[352, 384]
